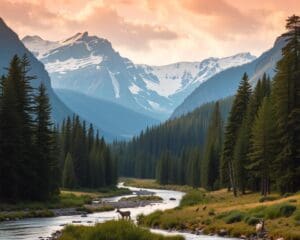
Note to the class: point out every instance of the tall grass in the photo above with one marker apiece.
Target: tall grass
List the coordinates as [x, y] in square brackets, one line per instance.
[193, 197]
[112, 230]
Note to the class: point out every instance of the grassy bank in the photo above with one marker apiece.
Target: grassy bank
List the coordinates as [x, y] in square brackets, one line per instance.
[218, 211]
[112, 230]
[77, 199]
[151, 183]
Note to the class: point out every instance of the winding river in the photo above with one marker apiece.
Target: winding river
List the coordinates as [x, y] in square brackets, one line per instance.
[37, 228]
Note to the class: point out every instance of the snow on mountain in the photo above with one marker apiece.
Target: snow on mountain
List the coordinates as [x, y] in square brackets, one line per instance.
[225, 83]
[89, 65]
[38, 46]
[190, 74]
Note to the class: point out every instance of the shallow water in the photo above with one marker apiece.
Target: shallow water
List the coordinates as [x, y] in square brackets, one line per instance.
[33, 229]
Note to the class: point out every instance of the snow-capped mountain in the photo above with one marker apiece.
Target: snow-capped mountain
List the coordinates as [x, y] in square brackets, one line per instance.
[225, 83]
[90, 65]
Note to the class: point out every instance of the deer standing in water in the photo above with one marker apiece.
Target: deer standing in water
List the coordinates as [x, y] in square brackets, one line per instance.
[125, 214]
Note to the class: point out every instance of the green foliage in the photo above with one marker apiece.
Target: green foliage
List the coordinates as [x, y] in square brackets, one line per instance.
[263, 149]
[180, 137]
[286, 97]
[231, 166]
[93, 164]
[112, 230]
[29, 165]
[151, 220]
[69, 180]
[252, 220]
[233, 217]
[211, 159]
[72, 200]
[274, 211]
[193, 197]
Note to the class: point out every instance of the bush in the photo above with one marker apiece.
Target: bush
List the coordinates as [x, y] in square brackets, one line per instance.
[192, 198]
[280, 210]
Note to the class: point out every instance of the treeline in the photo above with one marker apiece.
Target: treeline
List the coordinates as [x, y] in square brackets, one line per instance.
[28, 164]
[260, 147]
[262, 139]
[254, 147]
[85, 159]
[182, 139]
[36, 157]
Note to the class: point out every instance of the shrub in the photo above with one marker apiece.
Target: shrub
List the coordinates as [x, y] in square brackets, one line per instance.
[192, 198]
[279, 210]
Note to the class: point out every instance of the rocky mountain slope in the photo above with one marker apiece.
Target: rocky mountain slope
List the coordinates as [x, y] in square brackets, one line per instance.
[11, 45]
[226, 82]
[89, 65]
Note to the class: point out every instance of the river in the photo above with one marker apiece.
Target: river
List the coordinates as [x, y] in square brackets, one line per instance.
[35, 228]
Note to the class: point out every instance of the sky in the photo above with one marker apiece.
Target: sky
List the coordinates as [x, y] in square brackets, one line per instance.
[157, 32]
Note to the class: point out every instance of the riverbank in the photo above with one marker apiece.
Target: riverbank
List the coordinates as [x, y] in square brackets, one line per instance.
[220, 213]
[111, 230]
[152, 184]
[69, 202]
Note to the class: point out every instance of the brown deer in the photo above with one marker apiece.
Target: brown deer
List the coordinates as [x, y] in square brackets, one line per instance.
[125, 214]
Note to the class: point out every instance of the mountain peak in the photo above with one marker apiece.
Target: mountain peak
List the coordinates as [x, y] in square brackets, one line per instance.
[30, 38]
[76, 37]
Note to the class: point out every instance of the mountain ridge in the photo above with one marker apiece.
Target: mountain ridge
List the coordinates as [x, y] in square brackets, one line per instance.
[225, 83]
[90, 65]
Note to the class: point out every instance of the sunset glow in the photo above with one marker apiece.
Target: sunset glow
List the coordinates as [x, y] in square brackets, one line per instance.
[155, 31]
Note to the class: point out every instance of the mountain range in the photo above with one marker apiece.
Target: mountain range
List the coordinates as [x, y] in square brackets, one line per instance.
[225, 83]
[90, 78]
[113, 121]
[90, 65]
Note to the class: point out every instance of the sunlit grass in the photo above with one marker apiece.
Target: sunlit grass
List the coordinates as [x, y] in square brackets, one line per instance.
[221, 210]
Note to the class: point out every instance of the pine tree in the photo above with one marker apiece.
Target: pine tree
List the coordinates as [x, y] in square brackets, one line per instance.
[69, 179]
[230, 170]
[162, 170]
[263, 147]
[262, 90]
[11, 140]
[286, 91]
[212, 153]
[47, 162]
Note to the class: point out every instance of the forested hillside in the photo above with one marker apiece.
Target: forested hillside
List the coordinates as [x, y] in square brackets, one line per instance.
[33, 151]
[180, 136]
[259, 149]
